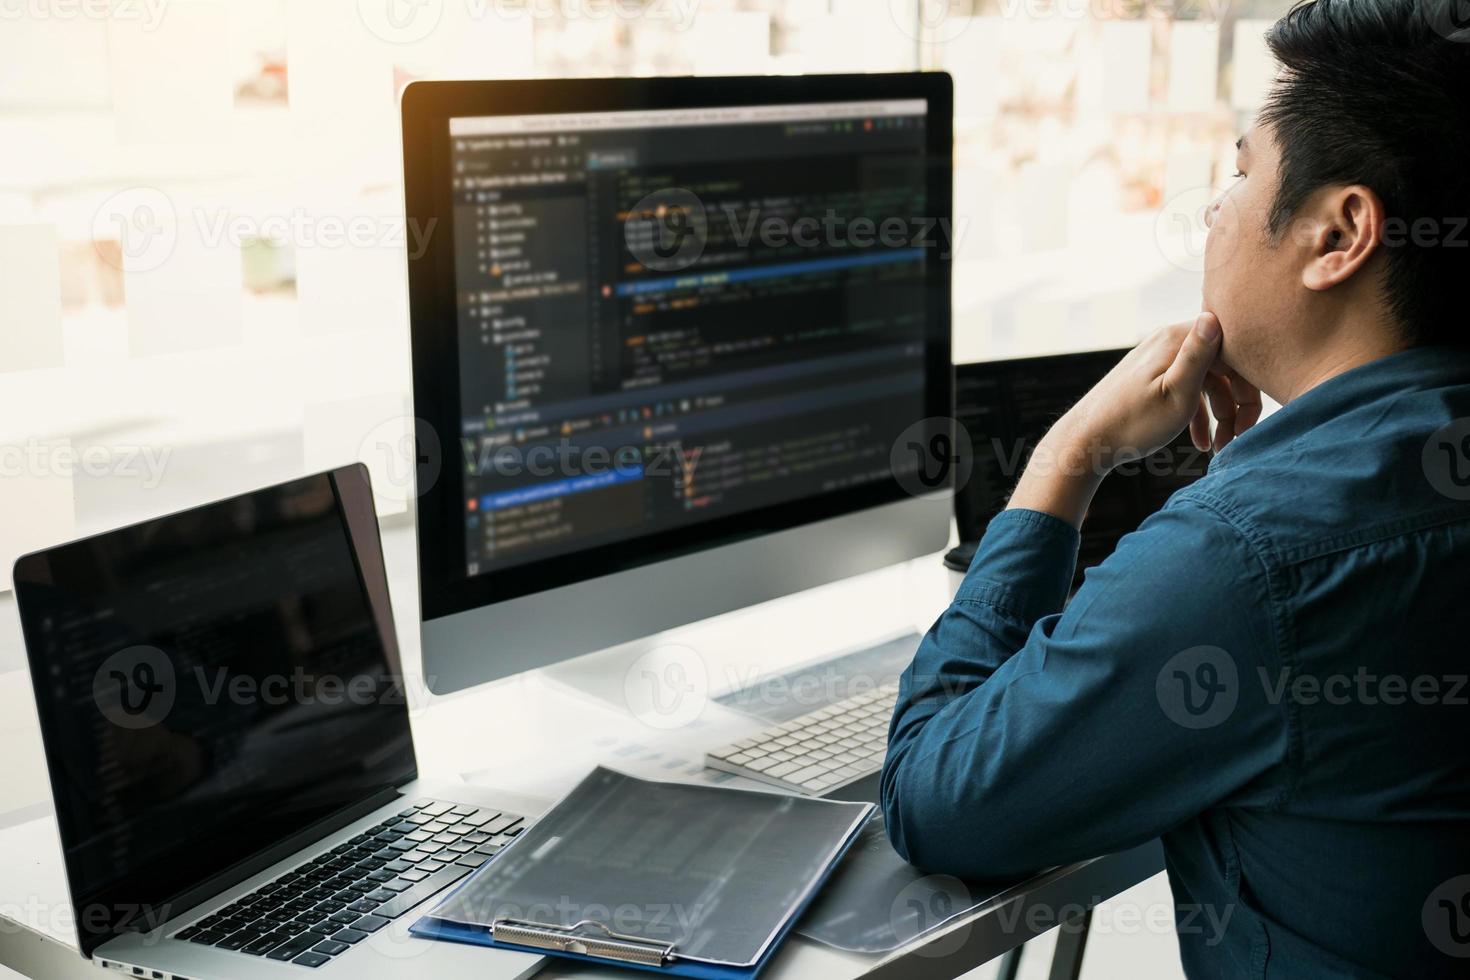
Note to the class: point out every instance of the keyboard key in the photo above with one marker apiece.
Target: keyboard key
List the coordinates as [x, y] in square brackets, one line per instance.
[492, 847]
[349, 936]
[345, 917]
[398, 886]
[501, 823]
[480, 818]
[311, 959]
[206, 937]
[364, 906]
[425, 889]
[414, 875]
[394, 867]
[370, 923]
[436, 808]
[238, 940]
[263, 945]
[330, 947]
[293, 947]
[472, 860]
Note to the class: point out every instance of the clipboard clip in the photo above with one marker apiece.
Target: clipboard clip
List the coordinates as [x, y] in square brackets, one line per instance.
[587, 938]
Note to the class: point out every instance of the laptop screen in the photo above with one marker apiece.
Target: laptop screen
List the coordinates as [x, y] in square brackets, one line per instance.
[208, 685]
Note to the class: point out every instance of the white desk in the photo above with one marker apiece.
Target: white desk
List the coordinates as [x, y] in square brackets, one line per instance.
[565, 719]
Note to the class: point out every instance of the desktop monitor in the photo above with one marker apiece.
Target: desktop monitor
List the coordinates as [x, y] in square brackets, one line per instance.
[1006, 407]
[676, 341]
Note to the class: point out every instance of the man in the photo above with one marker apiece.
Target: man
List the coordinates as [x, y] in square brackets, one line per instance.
[1270, 673]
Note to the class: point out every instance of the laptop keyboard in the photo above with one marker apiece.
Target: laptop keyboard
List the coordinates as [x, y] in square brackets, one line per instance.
[325, 906]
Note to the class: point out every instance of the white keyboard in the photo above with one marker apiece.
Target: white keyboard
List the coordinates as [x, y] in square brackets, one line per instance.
[817, 753]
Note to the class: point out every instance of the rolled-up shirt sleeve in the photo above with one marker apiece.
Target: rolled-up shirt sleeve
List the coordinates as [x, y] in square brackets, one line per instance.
[1027, 735]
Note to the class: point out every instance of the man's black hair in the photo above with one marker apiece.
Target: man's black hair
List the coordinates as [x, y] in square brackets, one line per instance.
[1377, 92]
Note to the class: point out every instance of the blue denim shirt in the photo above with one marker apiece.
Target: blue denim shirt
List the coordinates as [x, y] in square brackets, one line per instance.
[1270, 674]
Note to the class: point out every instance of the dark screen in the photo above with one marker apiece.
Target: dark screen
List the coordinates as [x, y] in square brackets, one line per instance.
[766, 368]
[210, 684]
[1007, 406]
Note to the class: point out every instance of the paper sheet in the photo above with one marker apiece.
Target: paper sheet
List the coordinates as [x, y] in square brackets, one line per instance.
[171, 80]
[30, 281]
[1252, 69]
[729, 44]
[1044, 204]
[182, 280]
[1125, 49]
[1194, 64]
[70, 54]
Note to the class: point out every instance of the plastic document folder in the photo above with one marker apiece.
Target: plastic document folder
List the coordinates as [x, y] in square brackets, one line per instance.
[877, 901]
[688, 880]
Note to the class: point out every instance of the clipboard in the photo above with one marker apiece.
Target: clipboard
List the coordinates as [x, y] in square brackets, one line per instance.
[735, 869]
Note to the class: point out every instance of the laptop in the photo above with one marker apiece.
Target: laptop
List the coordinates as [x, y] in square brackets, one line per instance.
[227, 734]
[1007, 406]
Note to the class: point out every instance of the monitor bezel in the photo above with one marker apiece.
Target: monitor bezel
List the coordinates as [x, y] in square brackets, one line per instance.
[444, 588]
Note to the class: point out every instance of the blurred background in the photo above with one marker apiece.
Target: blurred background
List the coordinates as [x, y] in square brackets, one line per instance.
[202, 249]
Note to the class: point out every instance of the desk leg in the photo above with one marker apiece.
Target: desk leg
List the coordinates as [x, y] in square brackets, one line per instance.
[1010, 964]
[1066, 962]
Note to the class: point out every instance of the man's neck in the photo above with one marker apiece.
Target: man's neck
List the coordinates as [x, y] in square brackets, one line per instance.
[1354, 351]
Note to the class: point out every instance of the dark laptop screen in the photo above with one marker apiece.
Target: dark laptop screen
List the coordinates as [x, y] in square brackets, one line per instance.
[1007, 406]
[210, 684]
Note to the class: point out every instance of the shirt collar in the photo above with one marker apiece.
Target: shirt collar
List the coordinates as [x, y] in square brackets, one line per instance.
[1415, 369]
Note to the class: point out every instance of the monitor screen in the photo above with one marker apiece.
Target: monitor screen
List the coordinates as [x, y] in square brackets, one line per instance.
[677, 326]
[1007, 406]
[209, 684]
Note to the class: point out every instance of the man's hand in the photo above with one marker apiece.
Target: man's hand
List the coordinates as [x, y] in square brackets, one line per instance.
[1172, 380]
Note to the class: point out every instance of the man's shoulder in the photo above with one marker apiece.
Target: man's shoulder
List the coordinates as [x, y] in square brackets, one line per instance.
[1346, 483]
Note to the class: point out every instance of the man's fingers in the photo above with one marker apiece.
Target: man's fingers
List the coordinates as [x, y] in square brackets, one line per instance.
[1248, 397]
[1199, 427]
[1222, 403]
[1186, 376]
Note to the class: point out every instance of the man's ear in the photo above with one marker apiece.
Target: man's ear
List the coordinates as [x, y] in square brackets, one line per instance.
[1346, 230]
